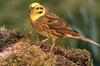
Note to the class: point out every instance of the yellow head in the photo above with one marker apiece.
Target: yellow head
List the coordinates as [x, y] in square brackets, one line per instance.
[36, 11]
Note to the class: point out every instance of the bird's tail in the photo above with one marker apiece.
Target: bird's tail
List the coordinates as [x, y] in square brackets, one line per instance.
[88, 40]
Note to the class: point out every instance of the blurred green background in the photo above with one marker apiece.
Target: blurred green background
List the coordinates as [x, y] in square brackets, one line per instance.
[83, 15]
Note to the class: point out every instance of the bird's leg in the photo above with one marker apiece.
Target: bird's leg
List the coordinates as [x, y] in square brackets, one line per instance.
[44, 40]
[53, 41]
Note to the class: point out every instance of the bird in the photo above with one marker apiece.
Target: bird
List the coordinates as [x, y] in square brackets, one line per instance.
[45, 22]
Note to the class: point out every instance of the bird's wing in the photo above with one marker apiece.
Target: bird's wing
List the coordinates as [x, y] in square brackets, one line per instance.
[54, 22]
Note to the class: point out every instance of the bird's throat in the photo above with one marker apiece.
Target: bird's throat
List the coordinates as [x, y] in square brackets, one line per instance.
[34, 17]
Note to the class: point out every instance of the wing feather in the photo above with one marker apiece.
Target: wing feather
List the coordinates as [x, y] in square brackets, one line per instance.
[55, 23]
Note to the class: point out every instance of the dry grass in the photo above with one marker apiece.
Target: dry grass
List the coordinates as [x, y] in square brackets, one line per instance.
[25, 52]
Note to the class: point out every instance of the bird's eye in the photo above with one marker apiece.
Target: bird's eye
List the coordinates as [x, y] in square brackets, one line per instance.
[37, 8]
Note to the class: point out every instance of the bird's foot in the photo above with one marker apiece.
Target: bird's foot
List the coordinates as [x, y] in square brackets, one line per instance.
[52, 47]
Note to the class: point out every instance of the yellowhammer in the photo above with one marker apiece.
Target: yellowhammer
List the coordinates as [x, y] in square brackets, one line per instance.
[51, 26]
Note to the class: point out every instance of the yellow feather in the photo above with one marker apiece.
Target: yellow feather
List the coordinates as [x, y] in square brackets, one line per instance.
[34, 17]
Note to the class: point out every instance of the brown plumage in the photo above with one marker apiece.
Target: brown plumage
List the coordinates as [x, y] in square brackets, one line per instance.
[51, 25]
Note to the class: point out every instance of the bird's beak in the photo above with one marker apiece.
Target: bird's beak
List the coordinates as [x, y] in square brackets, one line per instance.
[31, 10]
